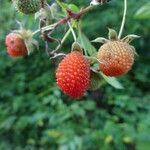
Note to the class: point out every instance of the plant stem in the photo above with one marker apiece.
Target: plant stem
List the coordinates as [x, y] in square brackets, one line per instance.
[59, 3]
[63, 40]
[67, 18]
[35, 32]
[85, 10]
[71, 15]
[123, 19]
[73, 33]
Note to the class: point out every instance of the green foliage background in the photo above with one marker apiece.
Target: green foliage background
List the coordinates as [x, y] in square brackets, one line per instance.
[34, 114]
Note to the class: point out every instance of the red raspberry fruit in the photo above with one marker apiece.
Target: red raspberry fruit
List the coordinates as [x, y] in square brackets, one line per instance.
[15, 45]
[73, 74]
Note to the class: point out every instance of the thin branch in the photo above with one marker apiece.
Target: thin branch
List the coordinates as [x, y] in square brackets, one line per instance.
[63, 40]
[87, 9]
[71, 15]
[73, 33]
[60, 4]
[123, 19]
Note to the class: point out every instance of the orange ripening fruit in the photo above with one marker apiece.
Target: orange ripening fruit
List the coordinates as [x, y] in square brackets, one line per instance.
[15, 45]
[116, 58]
[73, 74]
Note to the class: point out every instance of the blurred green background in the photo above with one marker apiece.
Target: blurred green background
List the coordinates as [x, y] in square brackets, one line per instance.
[36, 115]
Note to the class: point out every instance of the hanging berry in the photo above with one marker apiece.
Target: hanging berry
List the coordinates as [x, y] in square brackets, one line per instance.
[73, 74]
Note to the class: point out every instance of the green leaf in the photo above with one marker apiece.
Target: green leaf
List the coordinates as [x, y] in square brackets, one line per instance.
[53, 133]
[86, 44]
[112, 34]
[100, 40]
[112, 81]
[129, 38]
[143, 12]
[73, 7]
[66, 6]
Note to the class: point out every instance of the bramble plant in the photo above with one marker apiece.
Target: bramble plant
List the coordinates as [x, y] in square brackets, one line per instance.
[82, 68]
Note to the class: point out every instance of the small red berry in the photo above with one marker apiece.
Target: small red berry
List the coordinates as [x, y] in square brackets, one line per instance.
[73, 74]
[15, 45]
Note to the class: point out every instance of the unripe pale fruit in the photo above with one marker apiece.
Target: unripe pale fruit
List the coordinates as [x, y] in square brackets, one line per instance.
[73, 74]
[27, 6]
[95, 82]
[116, 58]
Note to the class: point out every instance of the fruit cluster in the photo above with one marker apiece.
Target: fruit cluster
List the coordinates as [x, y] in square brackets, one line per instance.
[115, 58]
[74, 74]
